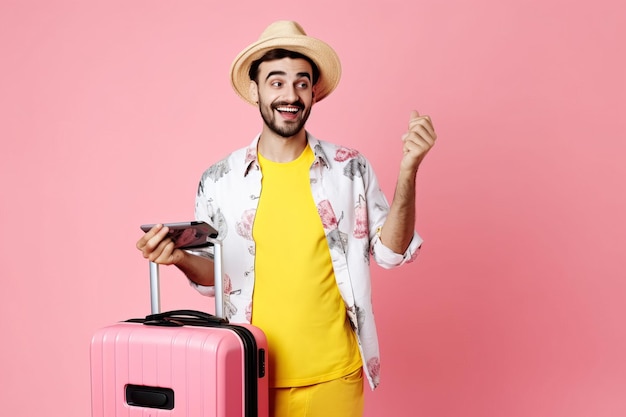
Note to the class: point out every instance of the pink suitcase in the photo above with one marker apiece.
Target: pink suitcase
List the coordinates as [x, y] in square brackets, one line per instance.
[179, 363]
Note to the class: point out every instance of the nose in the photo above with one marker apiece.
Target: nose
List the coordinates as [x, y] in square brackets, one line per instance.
[290, 93]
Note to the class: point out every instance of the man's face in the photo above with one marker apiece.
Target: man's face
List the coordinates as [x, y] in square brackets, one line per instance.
[285, 94]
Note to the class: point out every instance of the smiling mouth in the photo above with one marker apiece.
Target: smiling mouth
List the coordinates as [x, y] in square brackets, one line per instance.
[288, 109]
[288, 113]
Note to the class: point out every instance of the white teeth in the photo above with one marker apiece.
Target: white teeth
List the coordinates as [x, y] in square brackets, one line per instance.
[288, 109]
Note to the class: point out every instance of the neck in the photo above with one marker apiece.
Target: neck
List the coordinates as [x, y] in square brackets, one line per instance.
[277, 148]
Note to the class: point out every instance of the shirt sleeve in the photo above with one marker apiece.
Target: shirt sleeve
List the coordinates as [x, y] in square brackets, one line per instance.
[387, 258]
[204, 290]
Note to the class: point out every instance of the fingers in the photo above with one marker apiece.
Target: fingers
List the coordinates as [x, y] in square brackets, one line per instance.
[147, 241]
[417, 141]
[164, 253]
[156, 246]
[420, 123]
[421, 131]
[419, 136]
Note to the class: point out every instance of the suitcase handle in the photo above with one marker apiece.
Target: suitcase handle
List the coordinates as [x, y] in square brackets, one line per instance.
[155, 296]
[195, 314]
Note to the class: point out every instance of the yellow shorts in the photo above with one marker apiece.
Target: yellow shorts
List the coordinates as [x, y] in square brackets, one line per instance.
[341, 397]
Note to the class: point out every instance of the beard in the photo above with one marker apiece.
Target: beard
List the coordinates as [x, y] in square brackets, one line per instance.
[289, 128]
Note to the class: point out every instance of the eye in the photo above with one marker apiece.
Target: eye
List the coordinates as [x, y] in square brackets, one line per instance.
[303, 85]
[276, 84]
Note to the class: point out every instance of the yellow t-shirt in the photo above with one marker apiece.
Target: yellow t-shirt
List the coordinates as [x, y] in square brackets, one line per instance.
[296, 301]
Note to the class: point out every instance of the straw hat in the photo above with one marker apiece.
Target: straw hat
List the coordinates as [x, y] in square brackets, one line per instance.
[287, 35]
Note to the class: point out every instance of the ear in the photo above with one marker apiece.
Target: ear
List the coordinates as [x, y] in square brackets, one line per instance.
[253, 91]
[314, 93]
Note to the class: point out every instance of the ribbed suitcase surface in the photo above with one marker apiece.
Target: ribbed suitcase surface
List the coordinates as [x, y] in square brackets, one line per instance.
[143, 370]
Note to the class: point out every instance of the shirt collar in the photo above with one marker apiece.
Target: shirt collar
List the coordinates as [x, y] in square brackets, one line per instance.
[251, 159]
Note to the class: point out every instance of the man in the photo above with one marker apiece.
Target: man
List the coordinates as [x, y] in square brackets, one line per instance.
[300, 219]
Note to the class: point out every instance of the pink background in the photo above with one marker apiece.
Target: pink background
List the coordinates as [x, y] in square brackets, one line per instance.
[111, 110]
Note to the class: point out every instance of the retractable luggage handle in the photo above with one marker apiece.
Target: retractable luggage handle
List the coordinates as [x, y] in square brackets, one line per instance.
[155, 292]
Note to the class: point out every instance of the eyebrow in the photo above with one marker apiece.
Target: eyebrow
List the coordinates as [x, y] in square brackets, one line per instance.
[283, 73]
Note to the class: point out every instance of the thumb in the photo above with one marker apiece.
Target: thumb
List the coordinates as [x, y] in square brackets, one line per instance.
[414, 114]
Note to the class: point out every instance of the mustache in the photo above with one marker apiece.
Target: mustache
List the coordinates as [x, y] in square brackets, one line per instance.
[297, 103]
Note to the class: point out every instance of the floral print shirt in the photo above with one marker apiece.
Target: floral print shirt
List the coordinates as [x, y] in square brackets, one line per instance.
[352, 208]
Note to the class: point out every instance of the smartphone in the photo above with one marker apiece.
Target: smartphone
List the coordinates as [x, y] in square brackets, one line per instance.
[187, 235]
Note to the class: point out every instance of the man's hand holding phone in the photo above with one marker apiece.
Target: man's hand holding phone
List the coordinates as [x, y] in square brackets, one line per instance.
[158, 246]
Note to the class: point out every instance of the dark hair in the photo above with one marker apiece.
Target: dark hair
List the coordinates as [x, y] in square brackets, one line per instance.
[275, 54]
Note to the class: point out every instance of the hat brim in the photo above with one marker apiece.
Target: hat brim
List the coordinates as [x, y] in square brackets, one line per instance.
[318, 51]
